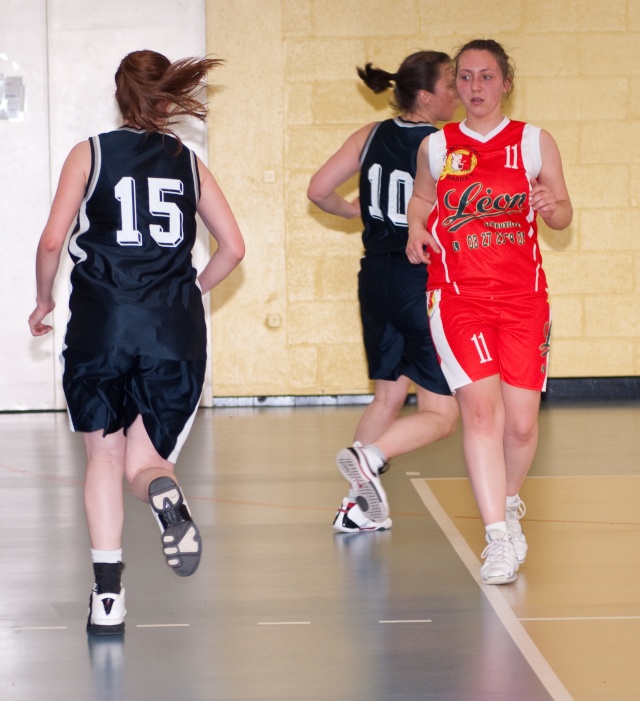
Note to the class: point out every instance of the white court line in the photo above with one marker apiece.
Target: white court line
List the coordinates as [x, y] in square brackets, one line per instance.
[417, 620]
[284, 623]
[503, 610]
[163, 625]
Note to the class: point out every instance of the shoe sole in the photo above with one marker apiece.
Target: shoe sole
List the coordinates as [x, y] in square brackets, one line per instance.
[96, 629]
[182, 548]
[372, 529]
[501, 580]
[181, 542]
[368, 491]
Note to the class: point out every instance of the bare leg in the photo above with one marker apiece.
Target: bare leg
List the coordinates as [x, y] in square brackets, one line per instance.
[143, 463]
[104, 506]
[435, 418]
[181, 541]
[388, 400]
[483, 418]
[103, 498]
[520, 433]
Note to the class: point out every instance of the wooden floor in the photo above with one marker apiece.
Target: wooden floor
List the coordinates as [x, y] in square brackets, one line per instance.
[283, 609]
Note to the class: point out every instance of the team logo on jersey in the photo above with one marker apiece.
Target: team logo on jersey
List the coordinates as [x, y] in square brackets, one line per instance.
[432, 302]
[476, 202]
[545, 347]
[459, 162]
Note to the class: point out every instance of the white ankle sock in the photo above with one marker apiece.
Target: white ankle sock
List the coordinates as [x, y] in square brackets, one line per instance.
[106, 555]
[513, 501]
[377, 453]
[498, 527]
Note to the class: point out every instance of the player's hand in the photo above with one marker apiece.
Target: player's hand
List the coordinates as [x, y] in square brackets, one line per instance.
[542, 199]
[418, 246]
[37, 315]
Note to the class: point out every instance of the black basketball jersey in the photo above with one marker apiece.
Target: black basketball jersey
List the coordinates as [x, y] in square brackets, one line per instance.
[387, 172]
[133, 284]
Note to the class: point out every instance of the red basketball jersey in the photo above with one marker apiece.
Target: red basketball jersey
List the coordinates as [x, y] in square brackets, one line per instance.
[482, 218]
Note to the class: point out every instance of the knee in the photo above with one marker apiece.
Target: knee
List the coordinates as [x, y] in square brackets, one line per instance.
[392, 401]
[450, 420]
[520, 430]
[483, 418]
[140, 479]
[449, 417]
[444, 410]
[394, 404]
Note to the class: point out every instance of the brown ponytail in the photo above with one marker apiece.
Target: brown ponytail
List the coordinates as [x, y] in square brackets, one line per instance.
[151, 91]
[418, 71]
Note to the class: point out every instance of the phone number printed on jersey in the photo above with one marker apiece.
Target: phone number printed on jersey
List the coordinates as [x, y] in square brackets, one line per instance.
[490, 238]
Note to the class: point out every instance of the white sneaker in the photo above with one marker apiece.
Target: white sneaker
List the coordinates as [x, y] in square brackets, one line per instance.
[106, 613]
[350, 519]
[360, 469]
[500, 560]
[514, 514]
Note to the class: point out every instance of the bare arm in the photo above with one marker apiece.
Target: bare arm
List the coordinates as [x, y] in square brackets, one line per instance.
[549, 195]
[344, 163]
[420, 205]
[65, 206]
[217, 216]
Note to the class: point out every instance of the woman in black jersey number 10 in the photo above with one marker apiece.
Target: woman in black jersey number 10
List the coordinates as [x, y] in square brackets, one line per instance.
[134, 353]
[392, 292]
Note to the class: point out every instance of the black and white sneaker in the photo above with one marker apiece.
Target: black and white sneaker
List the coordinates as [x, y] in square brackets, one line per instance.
[181, 541]
[360, 468]
[106, 603]
[350, 519]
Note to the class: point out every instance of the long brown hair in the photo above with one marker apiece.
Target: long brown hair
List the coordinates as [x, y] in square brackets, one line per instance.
[151, 91]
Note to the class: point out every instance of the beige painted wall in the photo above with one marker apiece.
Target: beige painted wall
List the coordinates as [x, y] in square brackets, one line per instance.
[287, 323]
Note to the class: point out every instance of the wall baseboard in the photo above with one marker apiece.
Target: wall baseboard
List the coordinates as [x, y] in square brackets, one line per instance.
[559, 388]
[592, 388]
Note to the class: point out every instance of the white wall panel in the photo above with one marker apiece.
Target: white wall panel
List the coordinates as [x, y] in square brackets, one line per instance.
[69, 51]
[27, 371]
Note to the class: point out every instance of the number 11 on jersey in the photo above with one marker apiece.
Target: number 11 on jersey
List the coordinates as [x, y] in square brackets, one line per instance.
[481, 347]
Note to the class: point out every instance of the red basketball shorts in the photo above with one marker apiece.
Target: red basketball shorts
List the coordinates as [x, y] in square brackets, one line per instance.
[476, 337]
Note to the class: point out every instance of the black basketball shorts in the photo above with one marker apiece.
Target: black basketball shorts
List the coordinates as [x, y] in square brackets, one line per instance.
[393, 307]
[107, 392]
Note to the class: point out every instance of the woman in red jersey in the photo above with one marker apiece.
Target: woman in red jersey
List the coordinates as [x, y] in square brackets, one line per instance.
[479, 187]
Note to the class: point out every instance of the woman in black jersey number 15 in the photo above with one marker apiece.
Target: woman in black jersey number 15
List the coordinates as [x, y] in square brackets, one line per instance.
[134, 353]
[479, 188]
[391, 291]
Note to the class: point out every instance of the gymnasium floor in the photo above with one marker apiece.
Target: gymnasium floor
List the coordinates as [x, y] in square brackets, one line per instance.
[283, 609]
